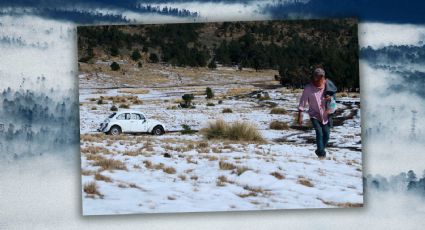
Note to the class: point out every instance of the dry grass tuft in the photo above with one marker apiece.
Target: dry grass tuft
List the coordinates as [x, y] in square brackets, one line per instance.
[238, 131]
[241, 169]
[203, 145]
[227, 110]
[182, 177]
[243, 195]
[221, 181]
[99, 176]
[305, 182]
[226, 166]
[278, 111]
[94, 157]
[92, 189]
[169, 170]
[278, 175]
[110, 164]
[148, 164]
[279, 125]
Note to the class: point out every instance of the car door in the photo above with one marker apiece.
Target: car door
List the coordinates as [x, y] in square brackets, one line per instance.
[125, 122]
[138, 123]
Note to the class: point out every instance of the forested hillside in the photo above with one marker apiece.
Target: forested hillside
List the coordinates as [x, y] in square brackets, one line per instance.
[292, 47]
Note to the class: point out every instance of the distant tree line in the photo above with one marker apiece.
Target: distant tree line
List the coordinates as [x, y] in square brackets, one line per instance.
[402, 182]
[294, 48]
[394, 54]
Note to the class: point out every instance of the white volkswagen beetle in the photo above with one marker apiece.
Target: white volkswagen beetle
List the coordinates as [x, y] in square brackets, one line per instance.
[130, 121]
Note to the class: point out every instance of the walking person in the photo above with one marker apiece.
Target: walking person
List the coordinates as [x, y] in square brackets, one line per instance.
[314, 95]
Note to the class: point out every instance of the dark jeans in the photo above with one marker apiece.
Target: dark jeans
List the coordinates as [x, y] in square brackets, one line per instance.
[322, 136]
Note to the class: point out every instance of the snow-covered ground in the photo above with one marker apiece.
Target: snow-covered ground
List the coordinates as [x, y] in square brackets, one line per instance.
[187, 173]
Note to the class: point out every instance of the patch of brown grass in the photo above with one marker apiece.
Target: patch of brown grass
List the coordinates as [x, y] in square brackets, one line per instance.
[169, 170]
[190, 161]
[221, 181]
[95, 150]
[305, 182]
[203, 145]
[279, 125]
[278, 175]
[239, 91]
[159, 166]
[278, 111]
[238, 131]
[244, 195]
[241, 169]
[212, 158]
[94, 157]
[226, 166]
[134, 91]
[99, 176]
[342, 205]
[227, 110]
[110, 164]
[92, 189]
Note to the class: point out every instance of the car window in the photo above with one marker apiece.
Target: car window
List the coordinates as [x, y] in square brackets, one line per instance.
[127, 116]
[135, 116]
[121, 117]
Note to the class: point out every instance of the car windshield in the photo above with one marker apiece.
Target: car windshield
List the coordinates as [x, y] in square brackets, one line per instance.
[112, 115]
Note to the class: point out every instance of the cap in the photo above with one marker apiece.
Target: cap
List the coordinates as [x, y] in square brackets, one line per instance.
[319, 72]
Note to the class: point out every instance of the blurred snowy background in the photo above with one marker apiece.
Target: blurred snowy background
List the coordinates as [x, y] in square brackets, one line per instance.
[39, 173]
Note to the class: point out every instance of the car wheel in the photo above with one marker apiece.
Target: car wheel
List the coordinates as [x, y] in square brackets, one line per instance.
[115, 130]
[158, 130]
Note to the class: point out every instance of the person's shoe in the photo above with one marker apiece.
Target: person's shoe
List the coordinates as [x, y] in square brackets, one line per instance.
[320, 155]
